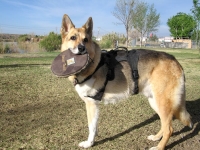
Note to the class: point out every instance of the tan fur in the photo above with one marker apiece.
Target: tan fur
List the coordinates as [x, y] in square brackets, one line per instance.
[161, 81]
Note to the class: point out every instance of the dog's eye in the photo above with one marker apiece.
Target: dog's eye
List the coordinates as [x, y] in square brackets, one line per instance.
[85, 39]
[73, 38]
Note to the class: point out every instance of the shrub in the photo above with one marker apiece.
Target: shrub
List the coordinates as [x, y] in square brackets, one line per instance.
[1, 47]
[5, 49]
[109, 40]
[51, 42]
[23, 38]
[105, 44]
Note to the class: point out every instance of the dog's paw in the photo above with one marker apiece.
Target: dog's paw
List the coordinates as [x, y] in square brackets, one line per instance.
[154, 148]
[85, 144]
[153, 138]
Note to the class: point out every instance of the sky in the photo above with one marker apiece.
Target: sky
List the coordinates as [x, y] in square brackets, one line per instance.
[40, 17]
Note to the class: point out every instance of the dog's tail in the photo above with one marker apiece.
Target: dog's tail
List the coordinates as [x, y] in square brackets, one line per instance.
[184, 117]
[181, 112]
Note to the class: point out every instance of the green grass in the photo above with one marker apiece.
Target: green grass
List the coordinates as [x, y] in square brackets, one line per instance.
[41, 111]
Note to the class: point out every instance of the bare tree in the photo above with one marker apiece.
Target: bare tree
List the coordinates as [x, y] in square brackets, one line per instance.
[145, 19]
[123, 11]
[196, 13]
[134, 34]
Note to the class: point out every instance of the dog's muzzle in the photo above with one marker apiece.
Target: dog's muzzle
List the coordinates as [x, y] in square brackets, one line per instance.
[81, 49]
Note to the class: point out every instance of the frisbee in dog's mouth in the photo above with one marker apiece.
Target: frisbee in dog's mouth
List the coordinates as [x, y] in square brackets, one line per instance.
[68, 63]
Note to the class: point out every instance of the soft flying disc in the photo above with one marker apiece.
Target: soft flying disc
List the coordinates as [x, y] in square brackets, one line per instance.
[68, 63]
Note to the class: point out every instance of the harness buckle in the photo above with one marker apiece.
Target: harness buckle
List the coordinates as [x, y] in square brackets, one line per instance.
[135, 74]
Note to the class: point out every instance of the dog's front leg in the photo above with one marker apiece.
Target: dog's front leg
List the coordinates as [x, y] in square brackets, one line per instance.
[92, 115]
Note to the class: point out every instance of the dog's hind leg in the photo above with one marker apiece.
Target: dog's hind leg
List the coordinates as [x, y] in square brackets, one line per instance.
[165, 112]
[166, 115]
[156, 137]
[92, 115]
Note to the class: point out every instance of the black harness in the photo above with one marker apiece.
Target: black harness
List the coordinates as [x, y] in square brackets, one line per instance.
[111, 59]
[133, 58]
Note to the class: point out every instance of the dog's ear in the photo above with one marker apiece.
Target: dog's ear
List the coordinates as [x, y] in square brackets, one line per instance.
[89, 26]
[67, 24]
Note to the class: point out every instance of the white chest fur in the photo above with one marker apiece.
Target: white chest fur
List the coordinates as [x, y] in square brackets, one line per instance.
[86, 89]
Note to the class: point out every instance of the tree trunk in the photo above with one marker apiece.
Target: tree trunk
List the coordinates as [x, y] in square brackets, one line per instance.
[197, 36]
[141, 38]
[127, 37]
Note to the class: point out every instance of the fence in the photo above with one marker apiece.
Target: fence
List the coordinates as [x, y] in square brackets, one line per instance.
[169, 45]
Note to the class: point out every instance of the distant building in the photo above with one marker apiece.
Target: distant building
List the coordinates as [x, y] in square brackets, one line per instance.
[99, 38]
[171, 42]
[166, 39]
[186, 43]
[144, 39]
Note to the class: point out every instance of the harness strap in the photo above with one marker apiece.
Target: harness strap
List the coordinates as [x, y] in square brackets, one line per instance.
[109, 59]
[101, 63]
[100, 93]
[133, 58]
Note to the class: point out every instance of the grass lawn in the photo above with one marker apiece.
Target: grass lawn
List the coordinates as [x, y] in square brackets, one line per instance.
[40, 111]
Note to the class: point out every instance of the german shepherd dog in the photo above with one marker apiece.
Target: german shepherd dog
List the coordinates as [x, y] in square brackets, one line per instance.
[161, 80]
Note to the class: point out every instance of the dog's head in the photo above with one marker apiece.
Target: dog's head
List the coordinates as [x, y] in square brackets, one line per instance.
[78, 40]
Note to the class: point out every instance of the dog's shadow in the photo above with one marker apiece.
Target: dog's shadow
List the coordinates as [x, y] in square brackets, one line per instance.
[148, 121]
[193, 109]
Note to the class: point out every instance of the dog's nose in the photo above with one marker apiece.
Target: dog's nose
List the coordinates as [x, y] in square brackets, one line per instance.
[81, 48]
